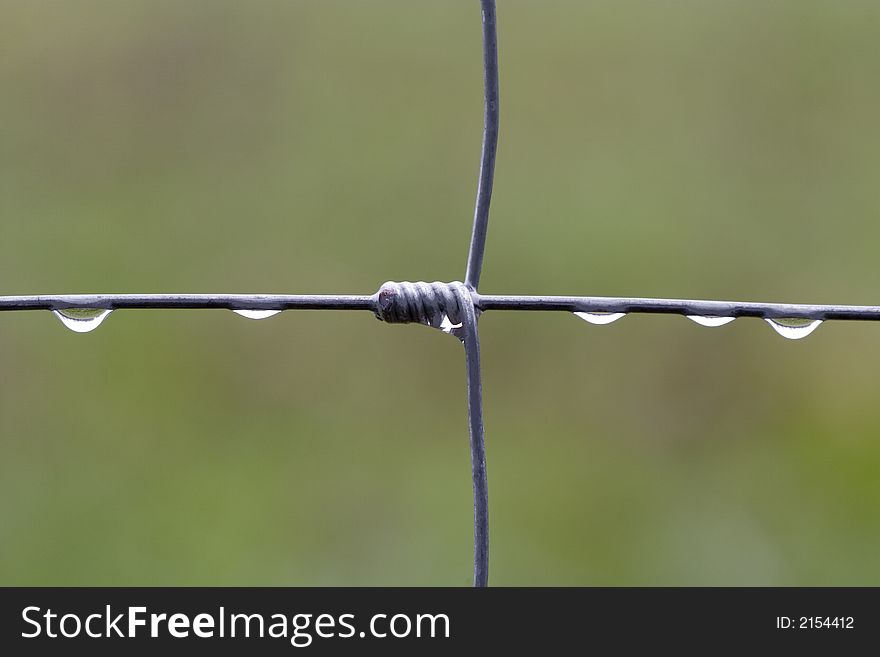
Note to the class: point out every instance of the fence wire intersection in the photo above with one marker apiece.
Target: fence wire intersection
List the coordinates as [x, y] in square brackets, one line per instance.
[454, 307]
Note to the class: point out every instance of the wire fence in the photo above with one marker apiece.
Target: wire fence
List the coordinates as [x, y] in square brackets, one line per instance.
[454, 307]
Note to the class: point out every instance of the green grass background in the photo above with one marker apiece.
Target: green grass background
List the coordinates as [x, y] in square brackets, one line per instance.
[684, 148]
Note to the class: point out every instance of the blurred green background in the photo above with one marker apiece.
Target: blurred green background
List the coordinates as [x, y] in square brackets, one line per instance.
[689, 148]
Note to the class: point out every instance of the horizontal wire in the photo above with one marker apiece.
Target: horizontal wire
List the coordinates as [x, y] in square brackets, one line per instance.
[484, 302]
[490, 145]
[156, 301]
[677, 307]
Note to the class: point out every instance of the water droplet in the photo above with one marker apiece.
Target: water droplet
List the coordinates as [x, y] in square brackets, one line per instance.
[705, 320]
[793, 328]
[256, 314]
[447, 326]
[81, 320]
[600, 317]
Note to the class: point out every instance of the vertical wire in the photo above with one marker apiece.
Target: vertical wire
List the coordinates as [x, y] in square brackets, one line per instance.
[490, 145]
[471, 336]
[471, 340]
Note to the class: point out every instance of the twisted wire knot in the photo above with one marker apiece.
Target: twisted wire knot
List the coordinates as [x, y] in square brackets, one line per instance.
[434, 304]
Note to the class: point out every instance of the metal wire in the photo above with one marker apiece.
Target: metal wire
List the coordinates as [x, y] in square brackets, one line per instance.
[482, 303]
[456, 302]
[154, 301]
[677, 307]
[471, 340]
[472, 281]
[490, 145]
